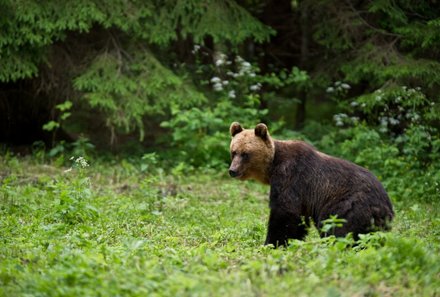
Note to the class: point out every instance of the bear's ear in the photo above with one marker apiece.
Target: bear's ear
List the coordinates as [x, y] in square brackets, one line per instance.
[261, 131]
[235, 128]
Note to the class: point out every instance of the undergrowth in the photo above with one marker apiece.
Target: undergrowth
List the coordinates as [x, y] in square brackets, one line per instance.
[122, 230]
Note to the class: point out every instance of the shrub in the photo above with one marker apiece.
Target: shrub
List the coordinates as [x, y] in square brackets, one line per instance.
[394, 133]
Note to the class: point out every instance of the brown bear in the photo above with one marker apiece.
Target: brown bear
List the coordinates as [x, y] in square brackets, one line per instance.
[307, 184]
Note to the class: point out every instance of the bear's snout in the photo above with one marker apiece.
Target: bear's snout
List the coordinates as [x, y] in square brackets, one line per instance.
[233, 173]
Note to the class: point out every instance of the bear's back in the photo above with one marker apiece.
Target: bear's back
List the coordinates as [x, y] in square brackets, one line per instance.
[321, 185]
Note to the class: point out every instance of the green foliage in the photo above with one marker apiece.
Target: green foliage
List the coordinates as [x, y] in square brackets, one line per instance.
[201, 136]
[401, 171]
[114, 230]
[393, 41]
[29, 27]
[64, 109]
[283, 78]
[394, 132]
[80, 147]
[147, 226]
[128, 90]
[127, 75]
[329, 225]
[72, 196]
[396, 109]
[51, 126]
[223, 20]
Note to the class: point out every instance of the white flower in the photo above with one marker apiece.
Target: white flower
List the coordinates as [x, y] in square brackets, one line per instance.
[215, 79]
[354, 103]
[330, 90]
[245, 67]
[218, 87]
[219, 59]
[225, 82]
[246, 64]
[384, 121]
[238, 59]
[195, 49]
[339, 119]
[255, 87]
[345, 86]
[394, 121]
[231, 94]
[82, 162]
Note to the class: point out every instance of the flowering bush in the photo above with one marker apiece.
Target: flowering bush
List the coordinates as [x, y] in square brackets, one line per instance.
[200, 133]
[394, 132]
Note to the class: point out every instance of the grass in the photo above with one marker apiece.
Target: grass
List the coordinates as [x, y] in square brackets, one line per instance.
[111, 230]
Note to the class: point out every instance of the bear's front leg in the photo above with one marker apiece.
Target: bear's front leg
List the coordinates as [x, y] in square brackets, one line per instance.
[284, 226]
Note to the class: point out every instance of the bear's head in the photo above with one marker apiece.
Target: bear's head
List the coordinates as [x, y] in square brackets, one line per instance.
[252, 152]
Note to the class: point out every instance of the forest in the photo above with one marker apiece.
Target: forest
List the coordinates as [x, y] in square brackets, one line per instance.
[114, 143]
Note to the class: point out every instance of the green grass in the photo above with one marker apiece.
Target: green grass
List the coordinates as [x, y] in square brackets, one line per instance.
[110, 230]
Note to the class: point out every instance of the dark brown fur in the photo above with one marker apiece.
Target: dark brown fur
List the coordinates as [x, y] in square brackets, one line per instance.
[306, 184]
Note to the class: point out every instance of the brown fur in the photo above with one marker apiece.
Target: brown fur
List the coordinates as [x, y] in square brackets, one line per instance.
[307, 184]
[246, 146]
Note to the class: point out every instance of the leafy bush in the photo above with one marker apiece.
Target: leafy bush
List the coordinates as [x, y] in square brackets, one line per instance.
[394, 132]
[201, 133]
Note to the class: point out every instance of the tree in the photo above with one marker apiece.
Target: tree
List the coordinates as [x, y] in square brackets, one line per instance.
[115, 57]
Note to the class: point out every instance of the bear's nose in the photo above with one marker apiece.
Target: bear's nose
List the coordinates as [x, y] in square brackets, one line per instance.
[233, 173]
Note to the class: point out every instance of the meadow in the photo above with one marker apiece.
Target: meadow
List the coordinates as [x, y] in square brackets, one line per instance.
[122, 228]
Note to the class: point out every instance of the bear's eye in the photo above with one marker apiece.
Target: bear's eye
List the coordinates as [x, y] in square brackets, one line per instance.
[245, 156]
[233, 154]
